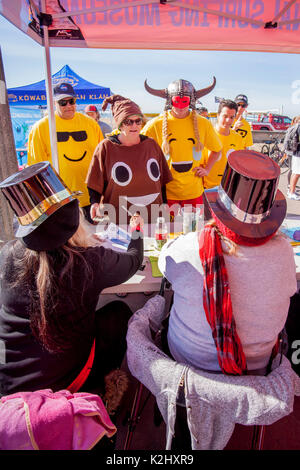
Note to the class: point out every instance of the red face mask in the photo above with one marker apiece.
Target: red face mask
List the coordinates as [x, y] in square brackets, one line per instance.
[180, 102]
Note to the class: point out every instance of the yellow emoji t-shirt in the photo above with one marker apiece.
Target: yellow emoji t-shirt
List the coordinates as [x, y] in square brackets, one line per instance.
[183, 157]
[230, 142]
[77, 139]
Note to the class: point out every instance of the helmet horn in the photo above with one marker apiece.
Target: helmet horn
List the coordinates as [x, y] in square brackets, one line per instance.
[205, 91]
[160, 93]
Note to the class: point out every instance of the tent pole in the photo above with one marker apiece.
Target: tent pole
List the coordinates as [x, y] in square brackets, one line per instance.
[8, 159]
[50, 104]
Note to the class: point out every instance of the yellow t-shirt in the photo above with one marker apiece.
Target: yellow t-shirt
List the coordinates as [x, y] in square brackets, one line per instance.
[74, 156]
[230, 142]
[183, 157]
[245, 131]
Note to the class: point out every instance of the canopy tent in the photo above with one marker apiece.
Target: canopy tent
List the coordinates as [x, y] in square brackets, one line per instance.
[35, 93]
[250, 25]
[243, 25]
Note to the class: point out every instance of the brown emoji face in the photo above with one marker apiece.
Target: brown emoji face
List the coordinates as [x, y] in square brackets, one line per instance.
[140, 185]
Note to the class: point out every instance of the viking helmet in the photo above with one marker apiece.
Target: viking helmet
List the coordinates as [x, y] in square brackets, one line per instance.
[180, 88]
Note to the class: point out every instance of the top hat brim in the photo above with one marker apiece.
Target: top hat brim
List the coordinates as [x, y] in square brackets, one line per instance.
[266, 227]
[21, 231]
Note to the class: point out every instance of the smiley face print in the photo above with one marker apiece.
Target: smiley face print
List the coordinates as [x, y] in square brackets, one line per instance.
[134, 173]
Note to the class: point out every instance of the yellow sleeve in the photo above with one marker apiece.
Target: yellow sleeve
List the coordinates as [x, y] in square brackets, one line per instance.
[153, 129]
[248, 139]
[39, 144]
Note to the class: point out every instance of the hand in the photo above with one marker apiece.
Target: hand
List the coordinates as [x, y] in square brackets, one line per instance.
[200, 171]
[136, 222]
[237, 124]
[95, 210]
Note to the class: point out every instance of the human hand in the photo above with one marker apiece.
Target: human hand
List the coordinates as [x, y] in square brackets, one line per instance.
[96, 211]
[200, 171]
[136, 221]
[237, 124]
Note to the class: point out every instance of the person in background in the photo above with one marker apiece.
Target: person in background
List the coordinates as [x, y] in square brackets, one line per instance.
[241, 125]
[293, 156]
[229, 138]
[77, 137]
[51, 335]
[241, 256]
[127, 168]
[202, 111]
[182, 135]
[92, 111]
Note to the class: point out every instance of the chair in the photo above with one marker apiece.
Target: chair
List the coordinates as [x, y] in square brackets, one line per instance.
[214, 402]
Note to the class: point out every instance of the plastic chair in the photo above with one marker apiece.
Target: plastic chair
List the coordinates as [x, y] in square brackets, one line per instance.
[214, 402]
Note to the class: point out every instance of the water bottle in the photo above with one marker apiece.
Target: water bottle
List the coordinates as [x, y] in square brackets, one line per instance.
[161, 233]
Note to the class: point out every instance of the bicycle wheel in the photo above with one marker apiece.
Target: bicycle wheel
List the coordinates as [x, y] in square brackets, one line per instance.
[279, 157]
[265, 149]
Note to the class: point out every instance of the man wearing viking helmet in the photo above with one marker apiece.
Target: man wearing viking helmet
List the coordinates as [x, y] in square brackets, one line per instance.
[182, 135]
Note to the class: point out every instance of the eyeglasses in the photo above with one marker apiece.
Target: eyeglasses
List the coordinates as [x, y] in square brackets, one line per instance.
[242, 105]
[65, 102]
[130, 122]
[78, 136]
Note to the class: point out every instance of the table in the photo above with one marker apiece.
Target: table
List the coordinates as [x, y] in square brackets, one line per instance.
[143, 285]
[292, 221]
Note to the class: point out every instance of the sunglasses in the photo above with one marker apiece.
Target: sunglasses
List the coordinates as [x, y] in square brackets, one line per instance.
[130, 122]
[242, 105]
[65, 102]
[78, 136]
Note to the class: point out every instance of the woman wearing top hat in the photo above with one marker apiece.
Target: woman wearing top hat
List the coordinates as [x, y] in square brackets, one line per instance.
[233, 280]
[50, 281]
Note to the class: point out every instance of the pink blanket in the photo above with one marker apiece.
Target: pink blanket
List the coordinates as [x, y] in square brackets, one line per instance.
[44, 420]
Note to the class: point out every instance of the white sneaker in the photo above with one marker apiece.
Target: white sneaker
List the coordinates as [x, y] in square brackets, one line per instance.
[294, 196]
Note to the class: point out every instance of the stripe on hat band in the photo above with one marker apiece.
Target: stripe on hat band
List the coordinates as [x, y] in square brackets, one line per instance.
[43, 206]
[238, 213]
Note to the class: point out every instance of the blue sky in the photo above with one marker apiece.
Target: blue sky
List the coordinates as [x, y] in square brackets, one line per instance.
[266, 78]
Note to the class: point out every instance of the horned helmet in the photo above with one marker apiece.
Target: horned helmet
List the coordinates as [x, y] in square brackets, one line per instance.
[180, 88]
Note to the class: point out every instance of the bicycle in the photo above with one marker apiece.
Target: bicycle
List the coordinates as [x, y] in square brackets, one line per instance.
[278, 155]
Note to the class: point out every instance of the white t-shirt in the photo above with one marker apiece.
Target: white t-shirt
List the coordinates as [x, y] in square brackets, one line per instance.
[262, 279]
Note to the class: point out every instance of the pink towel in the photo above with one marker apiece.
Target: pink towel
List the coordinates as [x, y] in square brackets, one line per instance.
[44, 420]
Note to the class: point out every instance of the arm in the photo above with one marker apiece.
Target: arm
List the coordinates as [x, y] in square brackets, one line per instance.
[115, 267]
[39, 144]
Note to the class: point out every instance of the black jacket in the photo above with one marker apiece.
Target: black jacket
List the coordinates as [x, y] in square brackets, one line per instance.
[24, 363]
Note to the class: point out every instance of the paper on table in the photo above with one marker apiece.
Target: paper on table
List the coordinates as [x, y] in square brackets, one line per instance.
[289, 232]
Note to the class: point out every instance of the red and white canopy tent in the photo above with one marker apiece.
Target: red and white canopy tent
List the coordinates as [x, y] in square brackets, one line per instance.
[232, 25]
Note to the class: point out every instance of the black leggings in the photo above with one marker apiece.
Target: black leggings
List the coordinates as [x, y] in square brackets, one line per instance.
[110, 333]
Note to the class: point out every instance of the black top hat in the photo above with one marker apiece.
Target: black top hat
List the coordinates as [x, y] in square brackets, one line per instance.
[247, 200]
[34, 195]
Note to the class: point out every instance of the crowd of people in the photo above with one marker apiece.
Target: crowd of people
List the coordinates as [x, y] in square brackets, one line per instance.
[51, 334]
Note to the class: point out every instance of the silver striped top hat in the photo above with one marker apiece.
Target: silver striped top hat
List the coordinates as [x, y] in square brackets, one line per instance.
[36, 194]
[248, 200]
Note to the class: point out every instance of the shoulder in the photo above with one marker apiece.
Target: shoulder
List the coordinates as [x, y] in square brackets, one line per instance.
[246, 123]
[41, 123]
[105, 127]
[154, 121]
[86, 119]
[183, 249]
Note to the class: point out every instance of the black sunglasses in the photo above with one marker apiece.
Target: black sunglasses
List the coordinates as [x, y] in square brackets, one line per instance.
[130, 122]
[242, 105]
[78, 136]
[65, 102]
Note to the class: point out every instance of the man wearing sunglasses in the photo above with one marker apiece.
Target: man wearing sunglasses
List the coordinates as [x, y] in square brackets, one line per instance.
[241, 125]
[77, 137]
